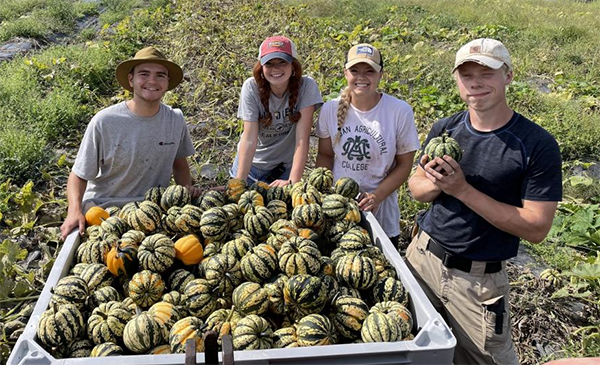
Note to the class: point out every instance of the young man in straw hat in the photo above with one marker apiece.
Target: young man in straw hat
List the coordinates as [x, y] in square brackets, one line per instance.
[134, 145]
[505, 188]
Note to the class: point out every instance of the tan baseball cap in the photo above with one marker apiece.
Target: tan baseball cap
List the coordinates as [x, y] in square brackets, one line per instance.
[485, 51]
[366, 53]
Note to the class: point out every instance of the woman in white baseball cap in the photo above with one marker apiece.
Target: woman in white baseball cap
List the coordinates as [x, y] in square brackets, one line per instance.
[369, 136]
[277, 106]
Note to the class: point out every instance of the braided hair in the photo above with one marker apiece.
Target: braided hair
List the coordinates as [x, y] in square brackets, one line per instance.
[264, 90]
[342, 110]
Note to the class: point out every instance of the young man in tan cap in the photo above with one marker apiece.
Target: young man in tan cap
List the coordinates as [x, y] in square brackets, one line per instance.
[134, 145]
[505, 188]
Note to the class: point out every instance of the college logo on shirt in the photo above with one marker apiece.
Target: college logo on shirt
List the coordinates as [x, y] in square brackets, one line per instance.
[356, 148]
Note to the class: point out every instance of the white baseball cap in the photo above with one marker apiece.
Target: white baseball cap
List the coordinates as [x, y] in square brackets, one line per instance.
[485, 51]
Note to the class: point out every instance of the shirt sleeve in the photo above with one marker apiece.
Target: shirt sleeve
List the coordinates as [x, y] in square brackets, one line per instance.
[543, 180]
[248, 108]
[90, 155]
[407, 138]
[322, 130]
[186, 146]
[309, 94]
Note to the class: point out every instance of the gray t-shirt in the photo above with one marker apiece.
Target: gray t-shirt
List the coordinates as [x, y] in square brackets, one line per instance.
[123, 154]
[276, 142]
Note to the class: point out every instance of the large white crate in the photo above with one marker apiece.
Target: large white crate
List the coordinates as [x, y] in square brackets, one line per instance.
[433, 344]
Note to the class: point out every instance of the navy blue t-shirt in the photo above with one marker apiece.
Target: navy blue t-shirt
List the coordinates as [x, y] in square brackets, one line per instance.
[519, 161]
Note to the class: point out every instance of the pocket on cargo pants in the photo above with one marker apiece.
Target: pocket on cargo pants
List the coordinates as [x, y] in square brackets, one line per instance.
[498, 342]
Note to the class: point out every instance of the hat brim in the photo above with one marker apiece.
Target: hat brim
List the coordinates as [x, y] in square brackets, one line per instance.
[372, 63]
[482, 60]
[271, 56]
[125, 67]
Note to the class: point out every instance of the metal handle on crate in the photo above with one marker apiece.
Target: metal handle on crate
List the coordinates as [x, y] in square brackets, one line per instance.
[211, 350]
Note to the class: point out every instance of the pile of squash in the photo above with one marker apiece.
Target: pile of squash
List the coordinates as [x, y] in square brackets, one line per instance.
[274, 267]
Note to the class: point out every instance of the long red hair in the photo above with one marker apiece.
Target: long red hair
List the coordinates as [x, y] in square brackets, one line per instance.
[264, 89]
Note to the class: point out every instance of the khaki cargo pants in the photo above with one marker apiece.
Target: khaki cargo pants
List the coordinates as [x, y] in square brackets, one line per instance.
[474, 304]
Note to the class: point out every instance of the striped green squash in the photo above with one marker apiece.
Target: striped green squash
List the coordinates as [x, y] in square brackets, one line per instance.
[80, 348]
[259, 263]
[257, 221]
[252, 333]
[235, 217]
[214, 224]
[234, 189]
[131, 306]
[299, 256]
[92, 251]
[157, 253]
[250, 298]
[332, 287]
[178, 279]
[284, 228]
[238, 247]
[70, 290]
[308, 216]
[443, 145]
[126, 210]
[390, 289]
[146, 288]
[167, 221]
[334, 206]
[112, 210]
[184, 329]
[249, 199]
[304, 294]
[223, 322]
[160, 350]
[379, 327]
[337, 229]
[348, 315]
[399, 313]
[132, 237]
[321, 178]
[143, 333]
[262, 188]
[278, 209]
[347, 187]
[346, 290]
[59, 325]
[165, 313]
[275, 297]
[145, 217]
[107, 322]
[106, 349]
[201, 298]
[154, 194]
[353, 211]
[188, 220]
[315, 330]
[327, 267]
[285, 338]
[103, 295]
[356, 271]
[222, 272]
[278, 193]
[96, 276]
[114, 226]
[304, 193]
[354, 240]
[175, 195]
[178, 300]
[211, 199]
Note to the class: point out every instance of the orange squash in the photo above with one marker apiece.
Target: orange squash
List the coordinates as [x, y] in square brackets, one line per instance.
[122, 259]
[95, 215]
[188, 250]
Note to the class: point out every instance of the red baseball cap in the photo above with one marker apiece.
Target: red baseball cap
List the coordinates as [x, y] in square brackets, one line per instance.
[277, 47]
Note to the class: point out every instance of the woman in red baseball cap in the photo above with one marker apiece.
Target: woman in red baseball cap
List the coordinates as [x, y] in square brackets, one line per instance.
[277, 106]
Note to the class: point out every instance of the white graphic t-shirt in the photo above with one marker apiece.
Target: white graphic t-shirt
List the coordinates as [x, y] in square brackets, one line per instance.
[369, 143]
